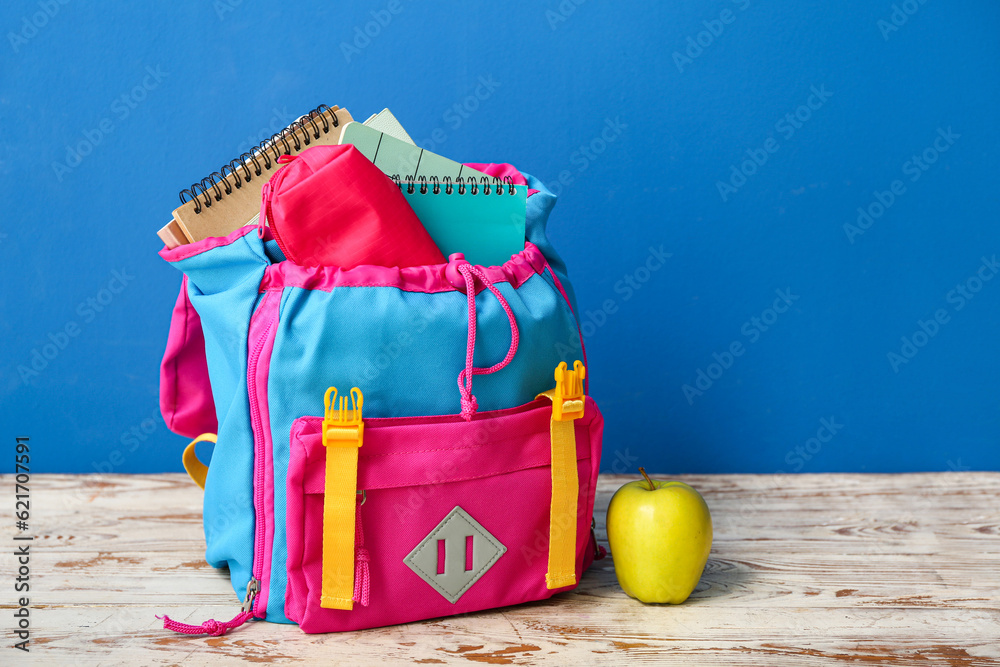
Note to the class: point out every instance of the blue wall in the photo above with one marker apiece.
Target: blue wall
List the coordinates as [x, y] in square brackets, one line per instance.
[740, 137]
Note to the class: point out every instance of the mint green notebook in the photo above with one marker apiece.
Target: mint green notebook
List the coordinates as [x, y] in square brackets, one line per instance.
[487, 228]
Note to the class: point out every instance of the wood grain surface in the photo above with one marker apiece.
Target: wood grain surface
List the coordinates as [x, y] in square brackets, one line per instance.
[805, 569]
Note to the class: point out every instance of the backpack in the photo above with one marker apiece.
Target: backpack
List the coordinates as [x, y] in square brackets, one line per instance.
[391, 444]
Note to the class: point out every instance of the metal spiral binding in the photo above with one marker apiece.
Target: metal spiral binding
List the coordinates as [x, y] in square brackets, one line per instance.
[490, 184]
[255, 161]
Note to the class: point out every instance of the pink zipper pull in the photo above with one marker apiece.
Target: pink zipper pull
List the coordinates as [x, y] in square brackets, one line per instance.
[212, 626]
[362, 574]
[265, 209]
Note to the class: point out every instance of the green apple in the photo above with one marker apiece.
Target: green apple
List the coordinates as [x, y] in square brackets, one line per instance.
[660, 535]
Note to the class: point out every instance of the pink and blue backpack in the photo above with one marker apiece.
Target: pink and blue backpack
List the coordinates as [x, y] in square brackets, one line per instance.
[390, 444]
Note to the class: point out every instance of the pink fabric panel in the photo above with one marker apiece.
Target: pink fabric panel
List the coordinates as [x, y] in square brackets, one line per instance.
[427, 279]
[186, 400]
[415, 471]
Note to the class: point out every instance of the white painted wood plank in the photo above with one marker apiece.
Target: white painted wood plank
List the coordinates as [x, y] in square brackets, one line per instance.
[816, 569]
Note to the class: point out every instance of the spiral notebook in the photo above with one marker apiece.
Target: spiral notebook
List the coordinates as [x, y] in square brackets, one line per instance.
[228, 199]
[463, 209]
[172, 234]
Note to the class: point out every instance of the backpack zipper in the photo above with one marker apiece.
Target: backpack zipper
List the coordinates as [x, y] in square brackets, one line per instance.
[260, 528]
[251, 602]
[253, 587]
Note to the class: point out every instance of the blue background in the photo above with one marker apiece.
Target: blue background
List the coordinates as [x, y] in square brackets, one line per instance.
[687, 113]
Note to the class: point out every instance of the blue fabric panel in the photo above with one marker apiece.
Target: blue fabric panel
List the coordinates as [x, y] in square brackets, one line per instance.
[223, 286]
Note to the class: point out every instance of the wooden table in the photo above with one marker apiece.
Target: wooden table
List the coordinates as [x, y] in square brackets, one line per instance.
[805, 569]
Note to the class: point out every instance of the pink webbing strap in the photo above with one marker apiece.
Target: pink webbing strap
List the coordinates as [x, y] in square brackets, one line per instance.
[209, 627]
[470, 272]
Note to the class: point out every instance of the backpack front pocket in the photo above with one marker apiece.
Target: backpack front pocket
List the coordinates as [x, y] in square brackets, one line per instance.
[452, 516]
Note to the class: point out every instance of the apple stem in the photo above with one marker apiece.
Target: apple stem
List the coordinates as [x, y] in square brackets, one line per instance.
[643, 471]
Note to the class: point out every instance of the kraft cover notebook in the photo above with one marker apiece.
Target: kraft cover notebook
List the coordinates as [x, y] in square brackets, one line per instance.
[463, 209]
[227, 199]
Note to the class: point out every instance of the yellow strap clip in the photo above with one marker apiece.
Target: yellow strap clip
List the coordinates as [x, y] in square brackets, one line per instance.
[567, 401]
[343, 433]
[342, 425]
[567, 405]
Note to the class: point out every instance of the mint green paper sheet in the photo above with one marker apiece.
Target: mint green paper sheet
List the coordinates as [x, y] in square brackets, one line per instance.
[398, 158]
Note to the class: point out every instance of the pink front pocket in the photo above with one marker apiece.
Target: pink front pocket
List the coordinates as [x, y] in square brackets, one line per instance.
[455, 514]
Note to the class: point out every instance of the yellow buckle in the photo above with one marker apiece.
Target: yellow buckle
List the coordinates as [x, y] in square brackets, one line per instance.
[342, 425]
[567, 401]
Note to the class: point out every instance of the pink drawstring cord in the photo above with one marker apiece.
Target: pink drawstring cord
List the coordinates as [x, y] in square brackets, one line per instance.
[470, 272]
[209, 627]
[362, 577]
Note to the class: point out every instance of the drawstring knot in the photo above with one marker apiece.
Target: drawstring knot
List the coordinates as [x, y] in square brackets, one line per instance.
[213, 627]
[468, 400]
[470, 404]
[209, 627]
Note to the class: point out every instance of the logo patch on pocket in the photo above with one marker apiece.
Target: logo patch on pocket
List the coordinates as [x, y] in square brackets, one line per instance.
[455, 555]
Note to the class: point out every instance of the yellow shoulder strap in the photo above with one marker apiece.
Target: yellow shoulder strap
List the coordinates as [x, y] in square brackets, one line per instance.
[567, 406]
[197, 470]
[342, 437]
